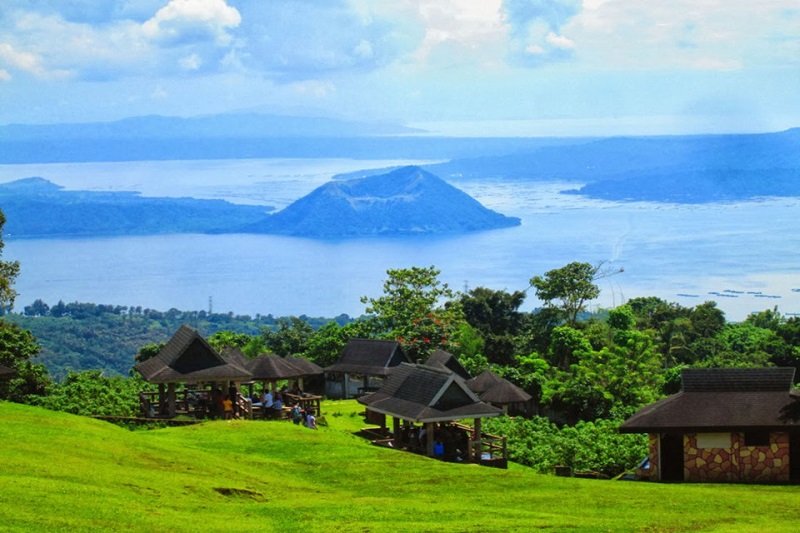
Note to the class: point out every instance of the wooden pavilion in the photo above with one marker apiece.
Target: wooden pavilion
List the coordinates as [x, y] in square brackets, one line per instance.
[500, 392]
[435, 398]
[368, 358]
[188, 359]
[272, 368]
[726, 425]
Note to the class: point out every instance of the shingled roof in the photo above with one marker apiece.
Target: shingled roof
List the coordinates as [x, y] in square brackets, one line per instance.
[309, 368]
[484, 381]
[449, 361]
[272, 367]
[422, 393]
[723, 399]
[188, 358]
[369, 357]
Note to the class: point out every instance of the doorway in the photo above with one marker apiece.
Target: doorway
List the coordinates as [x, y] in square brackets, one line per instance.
[671, 459]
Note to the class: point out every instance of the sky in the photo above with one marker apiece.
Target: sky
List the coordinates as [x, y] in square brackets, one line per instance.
[456, 67]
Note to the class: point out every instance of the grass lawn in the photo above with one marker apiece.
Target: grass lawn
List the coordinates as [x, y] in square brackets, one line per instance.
[62, 472]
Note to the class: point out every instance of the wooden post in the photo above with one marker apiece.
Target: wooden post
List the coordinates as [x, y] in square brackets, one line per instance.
[171, 398]
[162, 399]
[396, 429]
[346, 386]
[430, 436]
[477, 438]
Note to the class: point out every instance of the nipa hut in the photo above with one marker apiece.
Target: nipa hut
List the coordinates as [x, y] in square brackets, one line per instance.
[367, 358]
[187, 359]
[502, 393]
[435, 397]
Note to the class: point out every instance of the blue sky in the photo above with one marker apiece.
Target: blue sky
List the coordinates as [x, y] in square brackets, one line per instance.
[468, 67]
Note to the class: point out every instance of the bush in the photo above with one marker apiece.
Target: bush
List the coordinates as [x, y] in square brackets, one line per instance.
[596, 446]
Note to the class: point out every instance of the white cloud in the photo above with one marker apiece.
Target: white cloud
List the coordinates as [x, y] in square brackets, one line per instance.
[315, 88]
[191, 62]
[559, 41]
[5, 75]
[183, 21]
[25, 61]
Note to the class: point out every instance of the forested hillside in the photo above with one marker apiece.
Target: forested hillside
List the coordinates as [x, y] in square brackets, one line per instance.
[86, 336]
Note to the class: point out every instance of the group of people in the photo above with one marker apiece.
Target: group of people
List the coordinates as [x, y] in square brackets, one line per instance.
[273, 402]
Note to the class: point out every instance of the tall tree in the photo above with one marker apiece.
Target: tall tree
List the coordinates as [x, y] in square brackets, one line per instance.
[496, 315]
[412, 310]
[9, 270]
[568, 288]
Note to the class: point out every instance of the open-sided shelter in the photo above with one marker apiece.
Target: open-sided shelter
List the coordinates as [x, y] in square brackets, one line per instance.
[726, 425]
[500, 392]
[429, 395]
[187, 358]
[367, 357]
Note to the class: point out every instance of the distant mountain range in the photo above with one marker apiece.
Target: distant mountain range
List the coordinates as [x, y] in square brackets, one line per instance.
[406, 201]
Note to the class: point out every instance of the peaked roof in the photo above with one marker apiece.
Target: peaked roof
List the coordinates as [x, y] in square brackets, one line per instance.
[484, 381]
[449, 361]
[188, 358]
[723, 399]
[422, 393]
[369, 356]
[235, 356]
[504, 392]
[6, 372]
[308, 368]
[269, 366]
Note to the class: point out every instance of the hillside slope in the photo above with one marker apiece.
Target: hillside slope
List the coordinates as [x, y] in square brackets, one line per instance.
[67, 473]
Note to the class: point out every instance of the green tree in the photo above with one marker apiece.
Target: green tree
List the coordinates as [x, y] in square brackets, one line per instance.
[9, 270]
[568, 288]
[496, 315]
[412, 310]
[291, 336]
[17, 347]
[326, 345]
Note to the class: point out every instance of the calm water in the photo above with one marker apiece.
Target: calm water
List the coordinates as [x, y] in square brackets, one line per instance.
[669, 251]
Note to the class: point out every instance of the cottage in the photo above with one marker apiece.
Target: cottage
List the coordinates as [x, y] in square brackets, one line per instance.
[726, 425]
[449, 361]
[435, 397]
[368, 358]
[500, 392]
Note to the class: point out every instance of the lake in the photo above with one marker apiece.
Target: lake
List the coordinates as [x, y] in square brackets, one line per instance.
[745, 255]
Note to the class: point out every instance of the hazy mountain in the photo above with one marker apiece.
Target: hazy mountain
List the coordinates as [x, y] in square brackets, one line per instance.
[35, 207]
[223, 126]
[405, 201]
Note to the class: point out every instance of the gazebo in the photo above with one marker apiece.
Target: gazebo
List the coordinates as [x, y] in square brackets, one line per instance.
[188, 359]
[427, 395]
[367, 357]
[309, 369]
[500, 392]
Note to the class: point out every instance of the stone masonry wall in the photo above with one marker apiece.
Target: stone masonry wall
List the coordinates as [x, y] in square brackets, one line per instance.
[739, 463]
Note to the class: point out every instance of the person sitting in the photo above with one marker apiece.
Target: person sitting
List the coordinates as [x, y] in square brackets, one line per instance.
[311, 421]
[297, 413]
[277, 405]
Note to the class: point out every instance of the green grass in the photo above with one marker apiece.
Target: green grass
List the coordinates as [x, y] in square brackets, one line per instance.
[61, 472]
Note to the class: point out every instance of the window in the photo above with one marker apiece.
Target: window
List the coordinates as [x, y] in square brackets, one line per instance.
[714, 440]
[756, 438]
